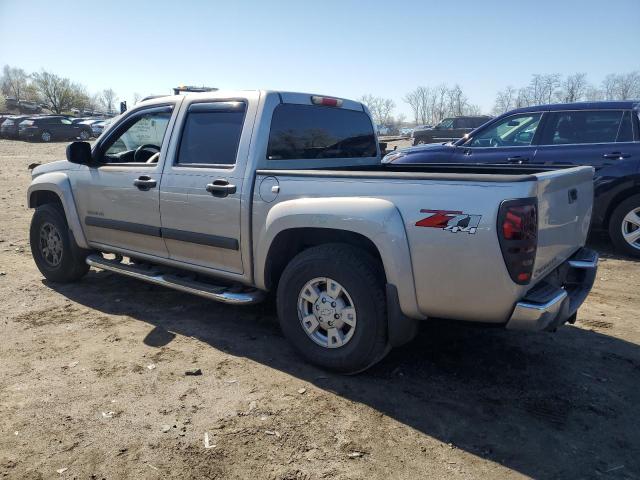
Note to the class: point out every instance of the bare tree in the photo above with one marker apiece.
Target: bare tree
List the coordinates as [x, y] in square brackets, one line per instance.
[505, 100]
[108, 100]
[379, 107]
[58, 93]
[574, 87]
[628, 86]
[593, 94]
[136, 97]
[457, 101]
[413, 99]
[609, 86]
[14, 82]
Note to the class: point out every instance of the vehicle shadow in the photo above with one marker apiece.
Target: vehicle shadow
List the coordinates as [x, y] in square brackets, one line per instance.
[563, 405]
[600, 241]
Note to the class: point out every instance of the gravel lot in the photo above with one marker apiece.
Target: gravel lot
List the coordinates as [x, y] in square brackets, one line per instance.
[93, 384]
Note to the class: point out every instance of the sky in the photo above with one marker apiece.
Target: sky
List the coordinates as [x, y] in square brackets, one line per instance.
[344, 48]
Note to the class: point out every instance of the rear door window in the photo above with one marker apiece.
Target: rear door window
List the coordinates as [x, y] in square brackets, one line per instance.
[211, 134]
[582, 127]
[317, 132]
[625, 133]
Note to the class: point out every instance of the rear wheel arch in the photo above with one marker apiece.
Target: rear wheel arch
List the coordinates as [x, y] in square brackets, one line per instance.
[617, 200]
[288, 243]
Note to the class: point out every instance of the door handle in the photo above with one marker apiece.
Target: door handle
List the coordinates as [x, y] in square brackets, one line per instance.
[518, 159]
[144, 183]
[220, 188]
[616, 155]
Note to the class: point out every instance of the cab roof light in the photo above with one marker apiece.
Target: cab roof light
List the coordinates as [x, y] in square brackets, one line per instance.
[326, 101]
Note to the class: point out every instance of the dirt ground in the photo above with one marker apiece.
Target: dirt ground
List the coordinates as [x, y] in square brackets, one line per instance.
[93, 384]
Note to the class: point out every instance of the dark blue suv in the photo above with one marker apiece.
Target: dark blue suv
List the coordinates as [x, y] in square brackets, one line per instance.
[605, 135]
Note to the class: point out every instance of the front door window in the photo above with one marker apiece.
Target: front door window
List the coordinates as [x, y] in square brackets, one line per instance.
[512, 131]
[141, 140]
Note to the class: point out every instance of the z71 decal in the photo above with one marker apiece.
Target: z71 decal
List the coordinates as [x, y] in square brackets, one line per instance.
[450, 220]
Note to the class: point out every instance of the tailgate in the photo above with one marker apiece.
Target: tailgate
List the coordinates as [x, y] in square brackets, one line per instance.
[565, 200]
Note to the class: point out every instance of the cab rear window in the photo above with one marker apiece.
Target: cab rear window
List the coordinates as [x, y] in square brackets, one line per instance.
[317, 132]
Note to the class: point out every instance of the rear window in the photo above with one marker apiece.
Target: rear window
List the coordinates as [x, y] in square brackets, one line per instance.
[315, 132]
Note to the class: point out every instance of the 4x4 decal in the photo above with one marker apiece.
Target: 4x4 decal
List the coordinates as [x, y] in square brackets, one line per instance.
[450, 220]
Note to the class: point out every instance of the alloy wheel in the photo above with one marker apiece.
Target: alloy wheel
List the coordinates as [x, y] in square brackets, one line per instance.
[631, 228]
[326, 312]
[50, 244]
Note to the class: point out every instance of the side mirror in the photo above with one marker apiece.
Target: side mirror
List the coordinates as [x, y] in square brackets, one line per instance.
[79, 152]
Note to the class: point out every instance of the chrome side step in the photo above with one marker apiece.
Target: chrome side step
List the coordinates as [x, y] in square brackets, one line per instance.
[154, 275]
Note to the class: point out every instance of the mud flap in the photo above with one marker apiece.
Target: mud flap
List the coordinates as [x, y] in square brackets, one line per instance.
[401, 329]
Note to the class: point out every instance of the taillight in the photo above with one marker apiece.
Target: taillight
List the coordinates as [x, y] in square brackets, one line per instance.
[518, 235]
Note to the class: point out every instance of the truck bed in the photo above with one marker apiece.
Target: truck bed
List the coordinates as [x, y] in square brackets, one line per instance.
[447, 265]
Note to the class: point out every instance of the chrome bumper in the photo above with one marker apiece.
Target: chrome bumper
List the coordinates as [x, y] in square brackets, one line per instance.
[556, 299]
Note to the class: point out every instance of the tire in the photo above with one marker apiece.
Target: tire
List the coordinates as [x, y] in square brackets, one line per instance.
[618, 224]
[45, 136]
[69, 264]
[84, 135]
[361, 282]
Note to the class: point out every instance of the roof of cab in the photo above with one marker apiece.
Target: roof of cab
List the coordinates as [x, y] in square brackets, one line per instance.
[285, 97]
[600, 105]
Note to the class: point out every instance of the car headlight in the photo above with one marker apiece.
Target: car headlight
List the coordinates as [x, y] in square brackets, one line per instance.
[390, 157]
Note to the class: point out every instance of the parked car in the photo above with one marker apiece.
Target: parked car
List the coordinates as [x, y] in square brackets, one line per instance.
[29, 107]
[605, 135]
[9, 128]
[449, 129]
[97, 128]
[383, 130]
[52, 127]
[406, 131]
[90, 121]
[299, 204]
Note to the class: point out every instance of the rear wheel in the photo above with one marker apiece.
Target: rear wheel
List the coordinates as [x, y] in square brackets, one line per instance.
[53, 247]
[45, 136]
[84, 135]
[624, 227]
[332, 307]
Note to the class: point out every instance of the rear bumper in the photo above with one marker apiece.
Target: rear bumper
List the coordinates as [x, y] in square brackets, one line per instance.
[556, 299]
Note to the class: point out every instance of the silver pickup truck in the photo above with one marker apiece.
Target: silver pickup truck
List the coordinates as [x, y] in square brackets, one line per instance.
[230, 195]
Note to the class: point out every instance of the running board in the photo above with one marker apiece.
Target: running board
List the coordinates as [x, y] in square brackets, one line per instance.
[155, 276]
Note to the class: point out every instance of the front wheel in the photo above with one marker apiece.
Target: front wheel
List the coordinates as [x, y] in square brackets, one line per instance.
[624, 226]
[53, 247]
[84, 135]
[332, 307]
[45, 136]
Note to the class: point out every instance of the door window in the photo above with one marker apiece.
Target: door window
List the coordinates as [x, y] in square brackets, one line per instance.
[64, 121]
[625, 133]
[582, 127]
[140, 140]
[211, 134]
[512, 131]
